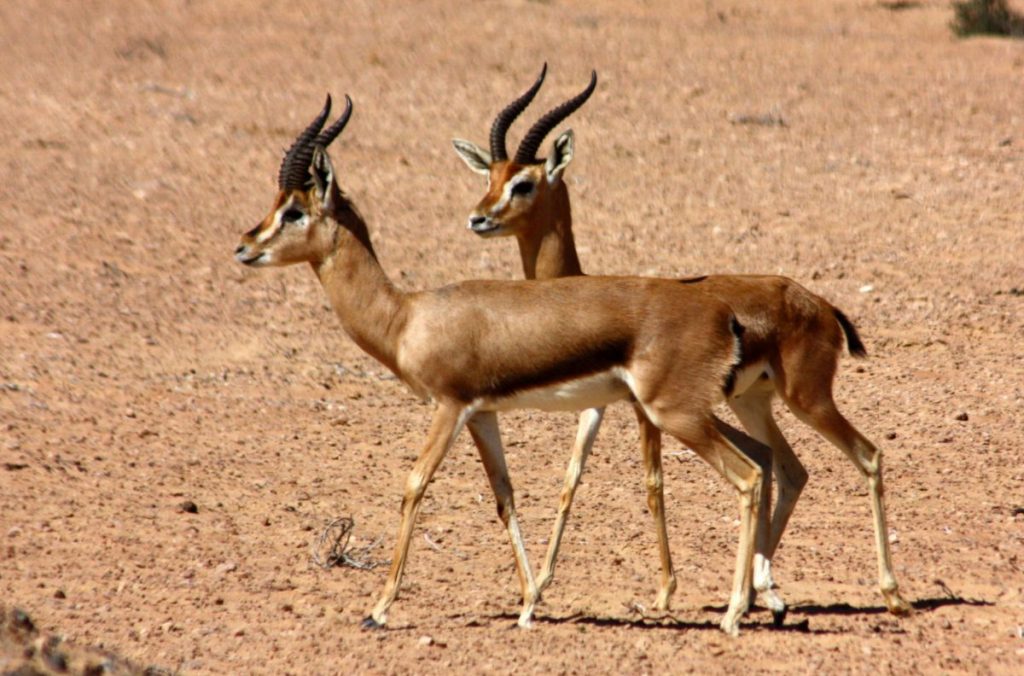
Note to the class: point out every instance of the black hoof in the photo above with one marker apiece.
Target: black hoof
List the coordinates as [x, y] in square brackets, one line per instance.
[369, 623]
[779, 616]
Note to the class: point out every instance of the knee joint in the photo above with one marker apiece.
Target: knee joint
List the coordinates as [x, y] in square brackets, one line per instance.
[655, 482]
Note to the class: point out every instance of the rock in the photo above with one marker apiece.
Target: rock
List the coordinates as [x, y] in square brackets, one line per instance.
[962, 416]
[189, 507]
[226, 567]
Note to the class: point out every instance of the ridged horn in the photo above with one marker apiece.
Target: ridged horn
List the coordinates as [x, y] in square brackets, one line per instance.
[504, 120]
[294, 170]
[327, 136]
[527, 153]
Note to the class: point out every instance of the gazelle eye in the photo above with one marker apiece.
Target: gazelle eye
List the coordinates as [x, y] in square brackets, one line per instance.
[291, 215]
[522, 188]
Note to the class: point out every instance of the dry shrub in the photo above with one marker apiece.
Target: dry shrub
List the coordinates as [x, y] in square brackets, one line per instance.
[986, 17]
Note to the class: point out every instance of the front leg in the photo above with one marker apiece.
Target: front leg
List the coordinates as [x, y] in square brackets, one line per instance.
[449, 417]
[590, 423]
[484, 429]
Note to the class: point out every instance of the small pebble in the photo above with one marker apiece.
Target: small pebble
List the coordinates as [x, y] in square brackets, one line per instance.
[961, 416]
[189, 507]
[226, 567]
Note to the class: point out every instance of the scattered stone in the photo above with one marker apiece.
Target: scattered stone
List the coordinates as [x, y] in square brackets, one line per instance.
[54, 658]
[59, 594]
[22, 621]
[962, 416]
[890, 435]
[189, 507]
[226, 567]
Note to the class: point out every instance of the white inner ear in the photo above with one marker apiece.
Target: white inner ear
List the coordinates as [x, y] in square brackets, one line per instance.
[475, 157]
[560, 157]
[323, 175]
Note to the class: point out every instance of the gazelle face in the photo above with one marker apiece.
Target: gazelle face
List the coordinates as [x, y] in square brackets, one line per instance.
[284, 237]
[512, 193]
[296, 229]
[516, 193]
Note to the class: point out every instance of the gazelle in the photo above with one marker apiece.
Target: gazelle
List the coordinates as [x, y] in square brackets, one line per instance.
[478, 347]
[791, 346]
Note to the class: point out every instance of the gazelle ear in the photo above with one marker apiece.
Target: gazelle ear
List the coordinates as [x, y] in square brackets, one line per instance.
[322, 172]
[475, 157]
[560, 157]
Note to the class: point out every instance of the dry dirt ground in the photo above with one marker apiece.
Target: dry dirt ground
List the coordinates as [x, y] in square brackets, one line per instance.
[141, 367]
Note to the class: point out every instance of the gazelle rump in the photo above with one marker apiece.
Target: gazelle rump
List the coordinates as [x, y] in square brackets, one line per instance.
[478, 347]
[791, 346]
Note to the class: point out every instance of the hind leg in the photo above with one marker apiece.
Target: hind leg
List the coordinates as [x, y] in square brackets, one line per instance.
[743, 462]
[754, 410]
[824, 417]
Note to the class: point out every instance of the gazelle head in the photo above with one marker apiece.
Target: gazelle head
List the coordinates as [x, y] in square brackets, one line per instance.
[296, 230]
[518, 188]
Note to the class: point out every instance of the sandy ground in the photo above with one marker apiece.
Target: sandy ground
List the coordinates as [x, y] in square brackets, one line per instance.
[142, 368]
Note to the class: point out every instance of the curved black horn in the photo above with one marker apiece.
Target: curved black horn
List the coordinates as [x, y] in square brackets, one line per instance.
[527, 153]
[504, 120]
[294, 170]
[327, 136]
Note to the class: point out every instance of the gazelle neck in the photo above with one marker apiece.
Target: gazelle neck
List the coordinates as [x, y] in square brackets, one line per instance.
[548, 249]
[372, 311]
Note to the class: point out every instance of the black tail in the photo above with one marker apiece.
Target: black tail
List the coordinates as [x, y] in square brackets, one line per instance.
[737, 330]
[853, 342]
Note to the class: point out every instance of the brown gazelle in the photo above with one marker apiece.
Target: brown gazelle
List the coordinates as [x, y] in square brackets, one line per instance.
[791, 346]
[478, 347]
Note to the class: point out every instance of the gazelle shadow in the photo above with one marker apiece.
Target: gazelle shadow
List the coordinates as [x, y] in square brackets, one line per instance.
[927, 605]
[670, 622]
[841, 608]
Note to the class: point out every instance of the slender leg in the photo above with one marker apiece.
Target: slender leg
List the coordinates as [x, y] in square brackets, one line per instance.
[831, 424]
[484, 429]
[754, 410]
[445, 426]
[590, 423]
[650, 445]
[742, 461]
[743, 452]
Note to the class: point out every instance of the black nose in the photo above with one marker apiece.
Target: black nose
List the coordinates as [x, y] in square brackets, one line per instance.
[476, 221]
[239, 249]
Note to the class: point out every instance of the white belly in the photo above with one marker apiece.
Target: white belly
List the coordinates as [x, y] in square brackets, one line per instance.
[594, 391]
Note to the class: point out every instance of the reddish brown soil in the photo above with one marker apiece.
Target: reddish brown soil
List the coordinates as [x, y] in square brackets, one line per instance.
[141, 367]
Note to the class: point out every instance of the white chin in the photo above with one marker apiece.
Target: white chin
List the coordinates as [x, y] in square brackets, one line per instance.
[496, 231]
[260, 261]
